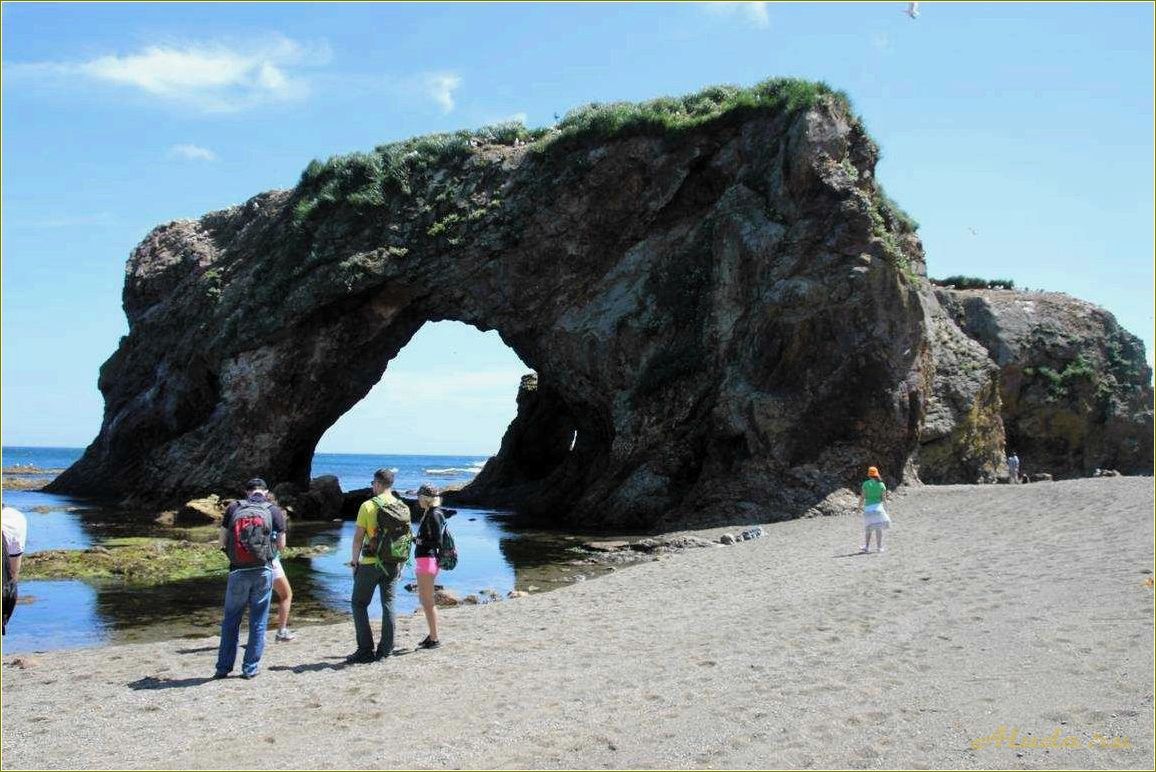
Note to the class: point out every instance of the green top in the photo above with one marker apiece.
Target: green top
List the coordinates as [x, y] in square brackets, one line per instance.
[873, 491]
[367, 519]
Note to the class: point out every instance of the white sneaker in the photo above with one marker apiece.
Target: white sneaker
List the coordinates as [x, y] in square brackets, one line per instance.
[882, 549]
[285, 634]
[863, 550]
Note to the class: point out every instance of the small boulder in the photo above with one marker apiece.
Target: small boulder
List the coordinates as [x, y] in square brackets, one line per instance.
[751, 533]
[726, 538]
[322, 501]
[206, 511]
[446, 598]
[353, 500]
[606, 546]
[517, 594]
[1040, 477]
[687, 542]
[471, 600]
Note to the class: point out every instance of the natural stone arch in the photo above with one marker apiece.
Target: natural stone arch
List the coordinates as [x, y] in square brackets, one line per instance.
[732, 315]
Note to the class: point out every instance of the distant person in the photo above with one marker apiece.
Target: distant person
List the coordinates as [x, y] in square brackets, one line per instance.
[15, 528]
[875, 518]
[1013, 468]
[281, 587]
[425, 555]
[381, 542]
[247, 538]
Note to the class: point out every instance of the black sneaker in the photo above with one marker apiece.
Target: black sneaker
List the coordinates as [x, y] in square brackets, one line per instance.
[428, 644]
[218, 676]
[359, 658]
[379, 655]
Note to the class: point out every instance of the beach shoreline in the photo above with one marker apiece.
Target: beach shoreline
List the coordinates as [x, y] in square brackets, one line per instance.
[1021, 607]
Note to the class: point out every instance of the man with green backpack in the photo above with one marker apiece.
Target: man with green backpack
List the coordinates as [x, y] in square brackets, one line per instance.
[381, 545]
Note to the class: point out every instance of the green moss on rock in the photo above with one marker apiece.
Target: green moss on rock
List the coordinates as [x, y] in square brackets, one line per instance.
[138, 561]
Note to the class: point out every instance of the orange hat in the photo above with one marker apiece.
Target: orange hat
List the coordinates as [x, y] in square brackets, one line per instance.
[872, 471]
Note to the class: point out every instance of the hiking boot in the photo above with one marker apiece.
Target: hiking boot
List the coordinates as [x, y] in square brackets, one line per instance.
[428, 644]
[360, 658]
[285, 634]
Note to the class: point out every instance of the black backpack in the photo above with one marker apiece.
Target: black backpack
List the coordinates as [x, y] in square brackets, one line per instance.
[250, 537]
[447, 551]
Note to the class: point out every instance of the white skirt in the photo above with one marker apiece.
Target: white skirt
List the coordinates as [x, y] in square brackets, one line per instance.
[875, 516]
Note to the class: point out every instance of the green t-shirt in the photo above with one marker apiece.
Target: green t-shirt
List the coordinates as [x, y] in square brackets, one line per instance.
[873, 491]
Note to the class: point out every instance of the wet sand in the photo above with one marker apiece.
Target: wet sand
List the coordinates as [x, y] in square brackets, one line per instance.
[1024, 607]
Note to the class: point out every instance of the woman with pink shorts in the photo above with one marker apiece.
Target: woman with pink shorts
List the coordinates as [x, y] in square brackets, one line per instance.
[429, 535]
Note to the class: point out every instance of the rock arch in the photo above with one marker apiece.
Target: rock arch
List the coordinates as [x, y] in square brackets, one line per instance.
[731, 316]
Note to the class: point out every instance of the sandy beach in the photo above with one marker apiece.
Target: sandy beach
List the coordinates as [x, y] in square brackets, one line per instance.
[1017, 606]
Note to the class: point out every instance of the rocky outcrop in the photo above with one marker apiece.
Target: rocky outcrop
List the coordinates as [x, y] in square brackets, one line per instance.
[962, 437]
[1076, 391]
[727, 318]
[535, 445]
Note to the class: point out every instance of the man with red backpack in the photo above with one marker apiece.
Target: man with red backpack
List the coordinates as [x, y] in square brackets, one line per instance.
[247, 538]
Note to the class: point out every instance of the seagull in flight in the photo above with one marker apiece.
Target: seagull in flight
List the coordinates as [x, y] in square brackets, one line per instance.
[974, 232]
[912, 10]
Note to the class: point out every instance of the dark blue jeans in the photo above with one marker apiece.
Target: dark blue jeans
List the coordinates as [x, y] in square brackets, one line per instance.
[250, 588]
[366, 579]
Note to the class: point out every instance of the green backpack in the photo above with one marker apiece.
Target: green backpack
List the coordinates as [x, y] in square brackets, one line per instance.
[393, 539]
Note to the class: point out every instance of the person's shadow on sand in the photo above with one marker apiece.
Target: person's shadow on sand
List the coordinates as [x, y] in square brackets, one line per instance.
[339, 664]
[199, 650]
[855, 554]
[152, 682]
[311, 668]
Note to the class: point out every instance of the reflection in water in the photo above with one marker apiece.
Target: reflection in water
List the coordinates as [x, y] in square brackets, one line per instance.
[68, 614]
[47, 617]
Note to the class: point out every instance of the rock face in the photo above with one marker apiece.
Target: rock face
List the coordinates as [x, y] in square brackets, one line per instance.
[1075, 388]
[727, 319]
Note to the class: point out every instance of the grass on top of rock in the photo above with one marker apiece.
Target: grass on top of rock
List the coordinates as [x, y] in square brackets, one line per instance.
[974, 282]
[366, 180]
[672, 115]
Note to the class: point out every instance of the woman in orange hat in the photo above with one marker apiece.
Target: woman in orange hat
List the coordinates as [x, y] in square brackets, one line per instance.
[875, 518]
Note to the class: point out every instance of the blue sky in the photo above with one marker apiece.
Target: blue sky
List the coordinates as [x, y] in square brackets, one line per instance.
[1031, 124]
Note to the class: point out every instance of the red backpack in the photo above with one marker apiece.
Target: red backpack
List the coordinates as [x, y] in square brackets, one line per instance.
[250, 537]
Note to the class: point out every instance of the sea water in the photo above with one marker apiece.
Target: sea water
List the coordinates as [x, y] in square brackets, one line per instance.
[68, 613]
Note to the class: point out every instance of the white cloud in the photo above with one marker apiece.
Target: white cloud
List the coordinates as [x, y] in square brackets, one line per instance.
[755, 13]
[211, 77]
[440, 87]
[192, 153]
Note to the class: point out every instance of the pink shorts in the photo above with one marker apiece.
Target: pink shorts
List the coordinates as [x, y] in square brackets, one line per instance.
[427, 566]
